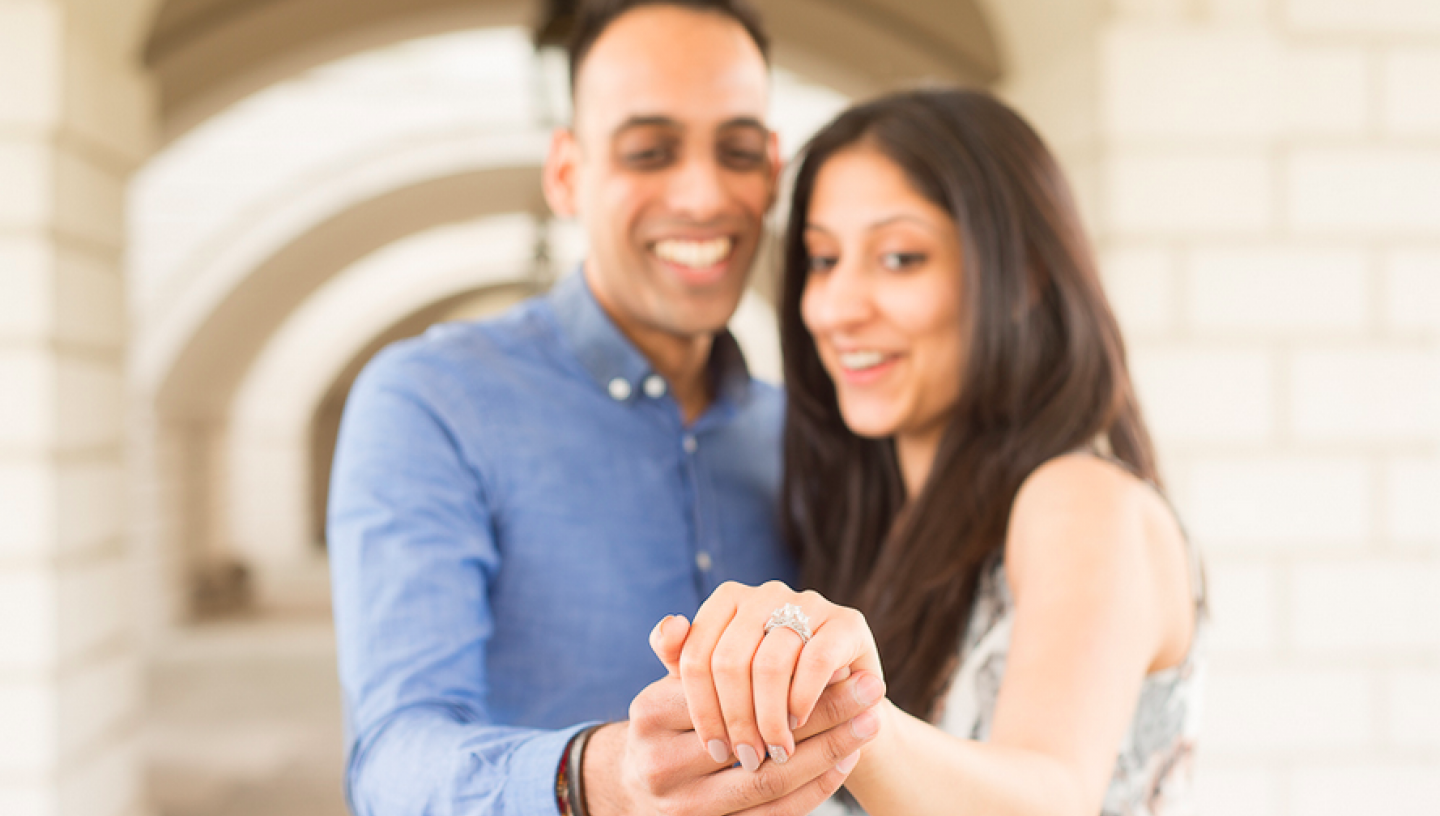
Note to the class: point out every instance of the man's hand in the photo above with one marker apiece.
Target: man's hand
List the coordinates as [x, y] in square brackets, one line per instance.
[656, 764]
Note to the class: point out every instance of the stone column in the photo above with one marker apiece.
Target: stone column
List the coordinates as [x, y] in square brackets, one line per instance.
[73, 121]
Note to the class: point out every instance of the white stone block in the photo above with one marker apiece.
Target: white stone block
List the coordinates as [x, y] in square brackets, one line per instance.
[93, 605]
[89, 199]
[27, 505]
[28, 625]
[1276, 712]
[27, 197]
[1152, 9]
[1238, 11]
[27, 400]
[1363, 607]
[1412, 290]
[94, 702]
[28, 291]
[20, 799]
[29, 716]
[1412, 94]
[1404, 17]
[1189, 192]
[1363, 191]
[1205, 395]
[1286, 503]
[1413, 708]
[97, 487]
[89, 302]
[1393, 789]
[1374, 394]
[29, 63]
[1140, 285]
[108, 784]
[1190, 84]
[1412, 501]
[107, 100]
[1245, 607]
[1325, 91]
[1277, 290]
[90, 404]
[1235, 791]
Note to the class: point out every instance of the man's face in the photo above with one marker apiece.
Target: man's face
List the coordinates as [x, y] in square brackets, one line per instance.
[669, 167]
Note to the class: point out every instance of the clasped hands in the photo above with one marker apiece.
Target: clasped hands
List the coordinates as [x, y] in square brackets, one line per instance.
[736, 694]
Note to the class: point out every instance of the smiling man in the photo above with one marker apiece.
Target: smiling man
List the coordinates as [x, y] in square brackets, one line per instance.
[517, 502]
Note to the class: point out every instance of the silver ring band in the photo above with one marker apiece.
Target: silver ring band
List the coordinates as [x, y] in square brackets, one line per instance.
[790, 617]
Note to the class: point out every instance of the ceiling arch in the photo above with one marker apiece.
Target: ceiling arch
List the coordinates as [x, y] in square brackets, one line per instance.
[208, 54]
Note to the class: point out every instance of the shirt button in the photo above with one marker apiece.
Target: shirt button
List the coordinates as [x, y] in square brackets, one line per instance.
[654, 386]
[703, 561]
[689, 443]
[619, 389]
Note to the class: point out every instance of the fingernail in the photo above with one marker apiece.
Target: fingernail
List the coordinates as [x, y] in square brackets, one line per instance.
[794, 722]
[865, 725]
[779, 754]
[659, 630]
[868, 690]
[847, 764]
[749, 760]
[718, 750]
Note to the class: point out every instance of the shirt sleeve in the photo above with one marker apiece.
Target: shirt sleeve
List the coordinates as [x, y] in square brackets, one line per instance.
[412, 550]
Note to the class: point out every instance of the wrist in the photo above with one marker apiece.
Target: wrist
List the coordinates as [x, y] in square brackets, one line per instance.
[605, 791]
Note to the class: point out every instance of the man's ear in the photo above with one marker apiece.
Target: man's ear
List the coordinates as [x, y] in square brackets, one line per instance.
[777, 165]
[559, 178]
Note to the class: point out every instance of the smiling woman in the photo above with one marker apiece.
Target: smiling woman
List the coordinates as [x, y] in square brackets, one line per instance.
[967, 472]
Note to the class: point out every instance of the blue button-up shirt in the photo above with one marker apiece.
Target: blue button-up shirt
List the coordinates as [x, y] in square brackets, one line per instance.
[515, 504]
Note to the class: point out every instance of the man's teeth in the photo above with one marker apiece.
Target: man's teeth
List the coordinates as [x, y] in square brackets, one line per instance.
[694, 254]
[861, 360]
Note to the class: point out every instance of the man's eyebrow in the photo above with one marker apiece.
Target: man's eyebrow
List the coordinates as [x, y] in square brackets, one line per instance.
[646, 121]
[744, 123]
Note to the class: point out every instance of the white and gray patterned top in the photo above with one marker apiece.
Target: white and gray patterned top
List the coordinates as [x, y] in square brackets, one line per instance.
[1154, 773]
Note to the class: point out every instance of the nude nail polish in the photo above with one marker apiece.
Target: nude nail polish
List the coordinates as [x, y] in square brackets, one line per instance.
[794, 722]
[718, 750]
[779, 754]
[749, 759]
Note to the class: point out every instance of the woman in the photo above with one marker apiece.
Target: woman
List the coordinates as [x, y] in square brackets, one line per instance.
[970, 489]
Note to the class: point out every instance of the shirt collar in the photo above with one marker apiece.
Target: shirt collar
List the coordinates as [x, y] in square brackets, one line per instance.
[608, 355]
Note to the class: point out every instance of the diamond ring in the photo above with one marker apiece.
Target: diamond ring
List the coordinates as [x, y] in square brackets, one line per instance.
[791, 617]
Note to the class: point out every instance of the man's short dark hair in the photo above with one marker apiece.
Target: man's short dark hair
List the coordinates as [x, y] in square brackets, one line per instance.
[594, 16]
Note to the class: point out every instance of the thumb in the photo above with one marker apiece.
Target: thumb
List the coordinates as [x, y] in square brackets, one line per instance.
[667, 640]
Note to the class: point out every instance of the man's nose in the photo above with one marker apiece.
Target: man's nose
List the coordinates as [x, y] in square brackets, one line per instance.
[697, 189]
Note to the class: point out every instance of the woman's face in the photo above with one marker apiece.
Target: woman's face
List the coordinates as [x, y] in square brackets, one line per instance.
[882, 297]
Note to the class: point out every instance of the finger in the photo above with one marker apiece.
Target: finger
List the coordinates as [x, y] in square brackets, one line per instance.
[773, 668]
[735, 790]
[667, 640]
[804, 799]
[695, 672]
[841, 645]
[843, 702]
[732, 667]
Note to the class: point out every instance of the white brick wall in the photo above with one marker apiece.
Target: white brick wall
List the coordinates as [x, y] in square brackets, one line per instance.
[1272, 503]
[1356, 191]
[1277, 290]
[1200, 395]
[1361, 393]
[1272, 193]
[1411, 95]
[1189, 192]
[1257, 713]
[1410, 789]
[1401, 17]
[1357, 607]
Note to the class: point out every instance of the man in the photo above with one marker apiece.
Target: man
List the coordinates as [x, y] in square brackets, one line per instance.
[517, 502]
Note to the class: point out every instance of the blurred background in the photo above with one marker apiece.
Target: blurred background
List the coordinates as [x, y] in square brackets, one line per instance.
[212, 212]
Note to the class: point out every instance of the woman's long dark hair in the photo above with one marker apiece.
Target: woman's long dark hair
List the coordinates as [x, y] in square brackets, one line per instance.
[1044, 375]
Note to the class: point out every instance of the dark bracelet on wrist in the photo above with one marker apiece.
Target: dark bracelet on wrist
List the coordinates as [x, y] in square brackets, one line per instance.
[572, 774]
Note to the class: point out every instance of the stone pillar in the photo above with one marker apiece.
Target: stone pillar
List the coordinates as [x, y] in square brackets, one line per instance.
[73, 120]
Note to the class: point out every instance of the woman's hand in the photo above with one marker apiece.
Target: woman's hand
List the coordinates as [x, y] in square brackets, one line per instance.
[747, 690]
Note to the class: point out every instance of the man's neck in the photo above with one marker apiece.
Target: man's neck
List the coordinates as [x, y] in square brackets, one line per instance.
[682, 360]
